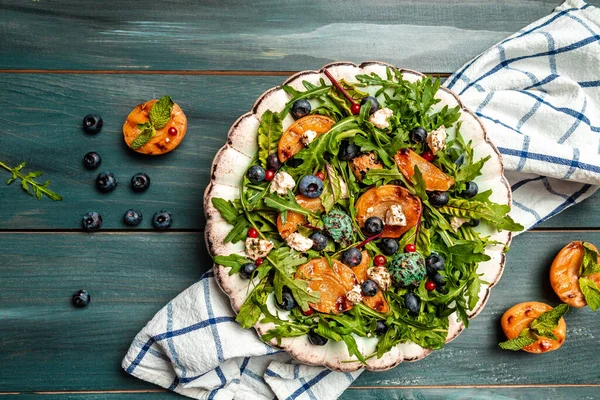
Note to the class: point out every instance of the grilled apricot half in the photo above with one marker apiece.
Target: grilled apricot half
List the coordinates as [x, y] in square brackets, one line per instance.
[290, 143]
[377, 302]
[565, 274]
[435, 178]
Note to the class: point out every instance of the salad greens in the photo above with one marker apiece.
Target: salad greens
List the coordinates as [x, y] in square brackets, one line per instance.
[462, 248]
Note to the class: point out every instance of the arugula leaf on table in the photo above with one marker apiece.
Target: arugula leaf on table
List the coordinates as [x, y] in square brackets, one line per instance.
[269, 133]
[36, 189]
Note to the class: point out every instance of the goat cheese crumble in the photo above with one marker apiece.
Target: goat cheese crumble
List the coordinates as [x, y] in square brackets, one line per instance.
[380, 118]
[282, 181]
[257, 248]
[298, 242]
[394, 216]
[437, 139]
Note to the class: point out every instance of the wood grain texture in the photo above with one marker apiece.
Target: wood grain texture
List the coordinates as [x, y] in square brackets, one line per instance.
[41, 124]
[131, 276]
[260, 35]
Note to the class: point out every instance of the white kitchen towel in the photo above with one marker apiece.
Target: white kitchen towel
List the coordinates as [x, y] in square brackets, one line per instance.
[538, 94]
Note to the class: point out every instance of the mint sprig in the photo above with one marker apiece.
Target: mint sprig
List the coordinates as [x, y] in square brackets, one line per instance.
[516, 344]
[160, 113]
[29, 185]
[589, 266]
[147, 132]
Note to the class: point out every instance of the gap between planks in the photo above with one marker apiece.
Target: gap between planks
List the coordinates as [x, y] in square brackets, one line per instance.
[167, 72]
[523, 386]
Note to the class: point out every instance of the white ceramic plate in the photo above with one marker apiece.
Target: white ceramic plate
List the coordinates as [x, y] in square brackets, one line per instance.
[233, 159]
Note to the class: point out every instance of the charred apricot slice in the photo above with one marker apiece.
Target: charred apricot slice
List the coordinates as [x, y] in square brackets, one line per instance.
[290, 143]
[166, 139]
[522, 315]
[294, 219]
[565, 271]
[435, 178]
[333, 282]
[377, 302]
[364, 163]
[376, 201]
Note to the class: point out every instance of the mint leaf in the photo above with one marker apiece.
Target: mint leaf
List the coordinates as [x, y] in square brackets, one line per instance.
[589, 265]
[160, 113]
[269, 133]
[591, 292]
[519, 342]
[234, 261]
[548, 321]
[227, 209]
[147, 132]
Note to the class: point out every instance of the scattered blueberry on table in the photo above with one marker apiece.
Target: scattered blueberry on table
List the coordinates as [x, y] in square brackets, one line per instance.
[92, 123]
[92, 160]
[132, 217]
[81, 298]
[140, 182]
[91, 221]
[106, 182]
[162, 220]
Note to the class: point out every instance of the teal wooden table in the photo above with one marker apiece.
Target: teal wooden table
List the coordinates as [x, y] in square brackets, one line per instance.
[60, 60]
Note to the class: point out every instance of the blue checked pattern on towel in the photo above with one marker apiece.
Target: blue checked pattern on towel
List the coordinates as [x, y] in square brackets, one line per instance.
[538, 94]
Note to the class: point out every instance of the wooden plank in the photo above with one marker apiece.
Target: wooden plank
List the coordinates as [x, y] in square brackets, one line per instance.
[131, 276]
[218, 35]
[41, 125]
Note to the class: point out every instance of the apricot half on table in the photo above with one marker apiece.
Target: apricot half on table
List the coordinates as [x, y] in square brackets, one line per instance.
[165, 132]
[291, 140]
[565, 273]
[376, 202]
[332, 282]
[435, 178]
[519, 317]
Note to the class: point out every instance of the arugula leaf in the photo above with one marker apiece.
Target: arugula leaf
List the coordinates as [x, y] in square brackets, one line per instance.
[472, 209]
[385, 176]
[36, 188]
[469, 172]
[283, 271]
[589, 264]
[269, 133]
[591, 292]
[234, 261]
[548, 321]
[160, 113]
[419, 184]
[288, 203]
[332, 192]
[314, 92]
[147, 132]
[238, 232]
[353, 348]
[228, 210]
[519, 342]
[251, 310]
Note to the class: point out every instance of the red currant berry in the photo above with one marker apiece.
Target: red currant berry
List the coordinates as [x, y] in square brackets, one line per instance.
[172, 131]
[269, 175]
[430, 285]
[252, 233]
[320, 175]
[428, 155]
[410, 248]
[355, 109]
[308, 312]
[379, 260]
[258, 262]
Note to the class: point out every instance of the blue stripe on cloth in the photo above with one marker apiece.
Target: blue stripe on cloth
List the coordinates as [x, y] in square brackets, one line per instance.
[497, 121]
[170, 343]
[273, 374]
[550, 159]
[565, 110]
[309, 391]
[573, 163]
[244, 364]
[571, 200]
[576, 123]
[349, 376]
[139, 344]
[582, 23]
[550, 189]
[213, 328]
[254, 376]
[524, 153]
[174, 384]
[140, 356]
[485, 102]
[552, 58]
[527, 209]
[524, 181]
[296, 371]
[221, 376]
[529, 114]
[528, 74]
[544, 81]
[589, 83]
[309, 384]
[571, 47]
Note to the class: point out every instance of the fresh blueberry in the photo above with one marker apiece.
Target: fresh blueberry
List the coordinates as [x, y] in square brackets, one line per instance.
[92, 123]
[256, 174]
[140, 182]
[352, 257]
[434, 263]
[81, 298]
[162, 220]
[418, 135]
[91, 221]
[413, 303]
[347, 150]
[381, 328]
[106, 182]
[319, 241]
[369, 288]
[92, 160]
[470, 191]
[316, 340]
[273, 162]
[311, 186]
[132, 217]
[287, 300]
[374, 103]
[301, 108]
[473, 222]
[438, 199]
[247, 270]
[389, 247]
[373, 226]
[438, 279]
